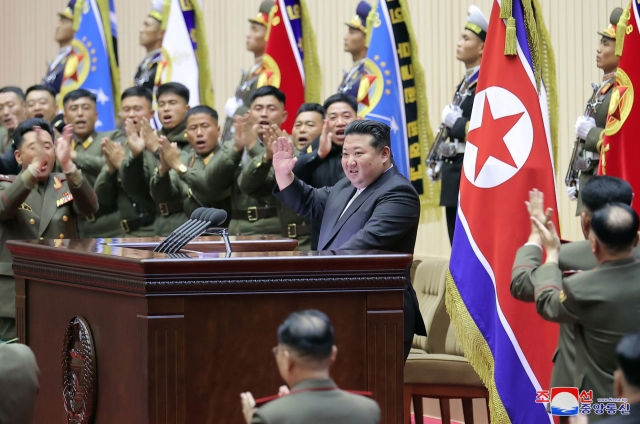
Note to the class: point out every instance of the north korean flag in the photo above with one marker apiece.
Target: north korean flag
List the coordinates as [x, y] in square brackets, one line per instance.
[508, 153]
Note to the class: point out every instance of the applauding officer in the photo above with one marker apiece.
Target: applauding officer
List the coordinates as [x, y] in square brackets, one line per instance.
[38, 204]
[200, 179]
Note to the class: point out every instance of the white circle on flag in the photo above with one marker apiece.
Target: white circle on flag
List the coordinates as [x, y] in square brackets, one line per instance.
[518, 140]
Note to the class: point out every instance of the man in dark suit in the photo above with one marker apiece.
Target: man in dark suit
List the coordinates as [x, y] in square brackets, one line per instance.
[374, 207]
[626, 379]
[304, 355]
[602, 304]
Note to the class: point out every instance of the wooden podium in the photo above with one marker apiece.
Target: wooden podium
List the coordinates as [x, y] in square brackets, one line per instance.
[175, 340]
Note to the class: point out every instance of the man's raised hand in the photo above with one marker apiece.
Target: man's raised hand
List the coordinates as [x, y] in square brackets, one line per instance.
[63, 149]
[324, 146]
[134, 139]
[283, 159]
[151, 140]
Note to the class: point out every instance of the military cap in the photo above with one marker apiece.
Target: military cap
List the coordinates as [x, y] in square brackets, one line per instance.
[157, 7]
[628, 353]
[68, 11]
[610, 31]
[360, 20]
[477, 22]
[262, 17]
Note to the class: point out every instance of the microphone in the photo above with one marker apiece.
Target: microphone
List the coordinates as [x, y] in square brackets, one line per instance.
[212, 217]
[171, 247]
[195, 217]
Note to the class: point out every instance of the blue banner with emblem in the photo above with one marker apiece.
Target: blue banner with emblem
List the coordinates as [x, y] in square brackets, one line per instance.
[392, 91]
[89, 65]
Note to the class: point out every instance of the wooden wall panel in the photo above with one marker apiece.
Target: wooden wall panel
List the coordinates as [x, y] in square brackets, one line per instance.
[27, 28]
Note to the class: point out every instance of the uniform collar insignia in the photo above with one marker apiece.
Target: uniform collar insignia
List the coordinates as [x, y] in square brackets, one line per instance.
[207, 159]
[56, 183]
[25, 207]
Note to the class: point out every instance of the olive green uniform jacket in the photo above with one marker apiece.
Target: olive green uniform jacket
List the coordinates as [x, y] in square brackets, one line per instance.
[207, 183]
[247, 207]
[5, 142]
[602, 306]
[314, 402]
[26, 213]
[258, 179]
[89, 159]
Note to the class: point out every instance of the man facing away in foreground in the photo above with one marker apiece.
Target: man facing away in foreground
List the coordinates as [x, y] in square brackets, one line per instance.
[374, 207]
[304, 355]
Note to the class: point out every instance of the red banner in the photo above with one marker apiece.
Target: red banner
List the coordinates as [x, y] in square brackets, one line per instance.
[282, 61]
[620, 147]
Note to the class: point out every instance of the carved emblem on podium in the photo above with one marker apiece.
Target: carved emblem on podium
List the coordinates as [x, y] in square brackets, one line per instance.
[78, 372]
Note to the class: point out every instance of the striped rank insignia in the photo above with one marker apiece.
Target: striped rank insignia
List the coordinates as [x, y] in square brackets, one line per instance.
[66, 198]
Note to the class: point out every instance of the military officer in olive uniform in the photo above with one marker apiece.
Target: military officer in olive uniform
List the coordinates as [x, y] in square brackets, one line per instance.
[456, 116]
[240, 102]
[575, 256]
[38, 204]
[151, 36]
[64, 38]
[600, 304]
[591, 129]
[255, 213]
[355, 43]
[80, 112]
[202, 179]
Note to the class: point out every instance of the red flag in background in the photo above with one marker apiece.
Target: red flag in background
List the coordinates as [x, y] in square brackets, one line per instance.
[290, 57]
[620, 146]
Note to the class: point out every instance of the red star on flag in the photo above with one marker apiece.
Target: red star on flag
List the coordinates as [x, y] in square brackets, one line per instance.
[621, 91]
[489, 138]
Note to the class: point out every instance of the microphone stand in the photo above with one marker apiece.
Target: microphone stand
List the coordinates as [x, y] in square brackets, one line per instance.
[224, 233]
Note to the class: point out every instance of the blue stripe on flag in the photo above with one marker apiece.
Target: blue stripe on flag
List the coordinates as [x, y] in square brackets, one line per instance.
[477, 291]
[521, 32]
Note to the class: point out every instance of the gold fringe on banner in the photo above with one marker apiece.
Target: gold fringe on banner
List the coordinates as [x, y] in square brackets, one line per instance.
[621, 29]
[506, 12]
[103, 8]
[475, 348]
[312, 72]
[547, 68]
[202, 56]
[430, 209]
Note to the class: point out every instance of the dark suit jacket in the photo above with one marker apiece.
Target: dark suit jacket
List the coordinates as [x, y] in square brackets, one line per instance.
[383, 217]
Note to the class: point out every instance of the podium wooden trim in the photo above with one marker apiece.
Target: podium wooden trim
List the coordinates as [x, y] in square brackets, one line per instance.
[177, 340]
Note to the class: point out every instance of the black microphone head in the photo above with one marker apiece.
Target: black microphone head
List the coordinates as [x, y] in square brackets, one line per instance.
[208, 213]
[197, 214]
[218, 217]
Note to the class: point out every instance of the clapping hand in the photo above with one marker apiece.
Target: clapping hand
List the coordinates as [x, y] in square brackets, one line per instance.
[169, 154]
[151, 140]
[40, 161]
[248, 406]
[135, 140]
[550, 239]
[326, 138]
[113, 153]
[271, 135]
[63, 149]
[535, 207]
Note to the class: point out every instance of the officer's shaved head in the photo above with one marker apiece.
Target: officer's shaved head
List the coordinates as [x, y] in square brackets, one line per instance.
[616, 226]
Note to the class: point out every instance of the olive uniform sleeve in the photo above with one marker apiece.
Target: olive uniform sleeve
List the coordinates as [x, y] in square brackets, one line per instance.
[106, 189]
[166, 188]
[216, 181]
[90, 164]
[85, 200]
[257, 178]
[550, 296]
[595, 135]
[528, 260]
[15, 193]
